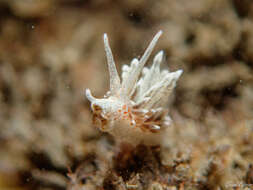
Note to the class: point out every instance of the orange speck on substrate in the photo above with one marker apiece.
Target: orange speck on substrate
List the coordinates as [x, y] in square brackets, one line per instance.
[124, 107]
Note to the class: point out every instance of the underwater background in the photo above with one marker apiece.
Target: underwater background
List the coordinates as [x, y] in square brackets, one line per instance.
[52, 50]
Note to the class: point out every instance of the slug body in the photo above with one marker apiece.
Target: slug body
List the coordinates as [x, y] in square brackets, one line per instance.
[134, 109]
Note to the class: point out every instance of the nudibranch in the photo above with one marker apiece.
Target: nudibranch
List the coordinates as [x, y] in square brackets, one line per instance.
[135, 108]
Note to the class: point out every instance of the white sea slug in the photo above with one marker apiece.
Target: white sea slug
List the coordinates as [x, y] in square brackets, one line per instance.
[135, 109]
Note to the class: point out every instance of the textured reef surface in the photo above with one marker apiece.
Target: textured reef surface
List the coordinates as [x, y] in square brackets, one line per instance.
[51, 50]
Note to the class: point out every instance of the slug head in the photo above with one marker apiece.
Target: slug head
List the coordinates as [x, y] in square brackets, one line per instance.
[105, 111]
